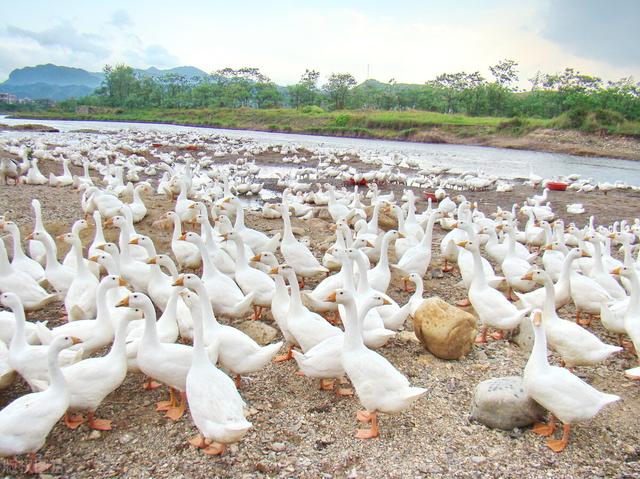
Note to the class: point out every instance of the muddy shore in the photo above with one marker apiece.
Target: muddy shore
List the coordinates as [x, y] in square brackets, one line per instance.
[300, 431]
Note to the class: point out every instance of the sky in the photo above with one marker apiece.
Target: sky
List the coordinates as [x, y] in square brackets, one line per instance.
[406, 40]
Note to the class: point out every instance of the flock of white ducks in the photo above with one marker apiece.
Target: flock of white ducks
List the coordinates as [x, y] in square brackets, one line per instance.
[240, 271]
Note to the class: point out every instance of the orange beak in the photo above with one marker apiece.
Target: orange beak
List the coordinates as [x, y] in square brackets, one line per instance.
[122, 282]
[617, 270]
[75, 340]
[400, 235]
[94, 259]
[100, 247]
[29, 237]
[183, 237]
[385, 301]
[537, 318]
[123, 302]
[134, 241]
[548, 247]
[108, 223]
[152, 260]
[273, 271]
[257, 257]
[462, 244]
[584, 254]
[527, 277]
[179, 281]
[331, 298]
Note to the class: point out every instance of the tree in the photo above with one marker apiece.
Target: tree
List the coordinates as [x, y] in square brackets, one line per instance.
[505, 73]
[337, 88]
[305, 92]
[119, 83]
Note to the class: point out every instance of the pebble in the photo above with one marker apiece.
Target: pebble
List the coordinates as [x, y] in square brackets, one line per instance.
[125, 438]
[95, 435]
[278, 446]
[478, 459]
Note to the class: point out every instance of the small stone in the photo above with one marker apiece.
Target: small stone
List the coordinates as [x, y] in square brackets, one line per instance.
[407, 337]
[436, 273]
[125, 438]
[446, 331]
[478, 459]
[278, 446]
[95, 435]
[260, 332]
[502, 403]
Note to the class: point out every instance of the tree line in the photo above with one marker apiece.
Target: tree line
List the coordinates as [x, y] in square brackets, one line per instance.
[548, 96]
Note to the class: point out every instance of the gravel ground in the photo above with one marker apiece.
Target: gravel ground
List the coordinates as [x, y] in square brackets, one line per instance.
[301, 431]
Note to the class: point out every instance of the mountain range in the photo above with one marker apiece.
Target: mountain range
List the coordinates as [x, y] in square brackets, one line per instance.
[55, 82]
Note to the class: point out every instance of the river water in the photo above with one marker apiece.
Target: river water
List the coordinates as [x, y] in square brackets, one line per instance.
[492, 161]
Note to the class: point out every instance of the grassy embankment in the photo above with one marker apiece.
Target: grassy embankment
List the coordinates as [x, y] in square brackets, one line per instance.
[410, 125]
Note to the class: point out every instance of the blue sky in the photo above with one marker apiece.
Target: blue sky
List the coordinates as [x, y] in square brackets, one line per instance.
[408, 40]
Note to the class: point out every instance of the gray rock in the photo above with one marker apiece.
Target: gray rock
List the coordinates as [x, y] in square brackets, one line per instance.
[524, 338]
[502, 403]
[258, 331]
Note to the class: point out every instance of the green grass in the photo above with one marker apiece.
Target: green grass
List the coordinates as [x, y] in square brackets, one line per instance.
[359, 123]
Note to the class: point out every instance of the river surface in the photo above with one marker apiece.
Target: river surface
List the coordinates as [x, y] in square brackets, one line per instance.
[501, 162]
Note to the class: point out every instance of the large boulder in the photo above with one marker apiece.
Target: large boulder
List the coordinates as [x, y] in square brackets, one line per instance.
[502, 403]
[445, 331]
[260, 332]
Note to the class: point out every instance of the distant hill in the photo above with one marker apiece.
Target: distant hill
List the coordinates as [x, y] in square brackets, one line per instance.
[55, 82]
[53, 75]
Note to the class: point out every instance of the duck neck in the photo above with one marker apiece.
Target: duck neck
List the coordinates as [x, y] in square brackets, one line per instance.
[81, 267]
[51, 253]
[428, 234]
[17, 245]
[352, 328]
[296, 301]
[383, 262]
[5, 266]
[634, 298]
[18, 340]
[288, 232]
[239, 224]
[597, 257]
[478, 272]
[177, 228]
[119, 346]
[419, 284]
[538, 355]
[103, 314]
[99, 236]
[199, 352]
[241, 258]
[205, 304]
[150, 335]
[57, 382]
[363, 281]
[347, 275]
[549, 306]
[39, 226]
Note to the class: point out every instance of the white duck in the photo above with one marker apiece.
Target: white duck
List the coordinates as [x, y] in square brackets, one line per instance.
[94, 333]
[187, 254]
[567, 397]
[20, 260]
[251, 280]
[237, 352]
[28, 360]
[295, 253]
[324, 360]
[380, 387]
[216, 407]
[40, 410]
[575, 345]
[227, 298]
[493, 309]
[31, 294]
[80, 299]
[417, 258]
[90, 381]
[36, 248]
[166, 362]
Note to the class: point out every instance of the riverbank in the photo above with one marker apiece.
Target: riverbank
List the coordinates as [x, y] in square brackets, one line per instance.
[410, 126]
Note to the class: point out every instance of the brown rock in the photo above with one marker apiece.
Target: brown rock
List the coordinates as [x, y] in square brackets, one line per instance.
[445, 331]
[387, 219]
[258, 331]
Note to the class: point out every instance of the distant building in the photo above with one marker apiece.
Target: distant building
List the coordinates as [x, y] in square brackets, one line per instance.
[8, 98]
